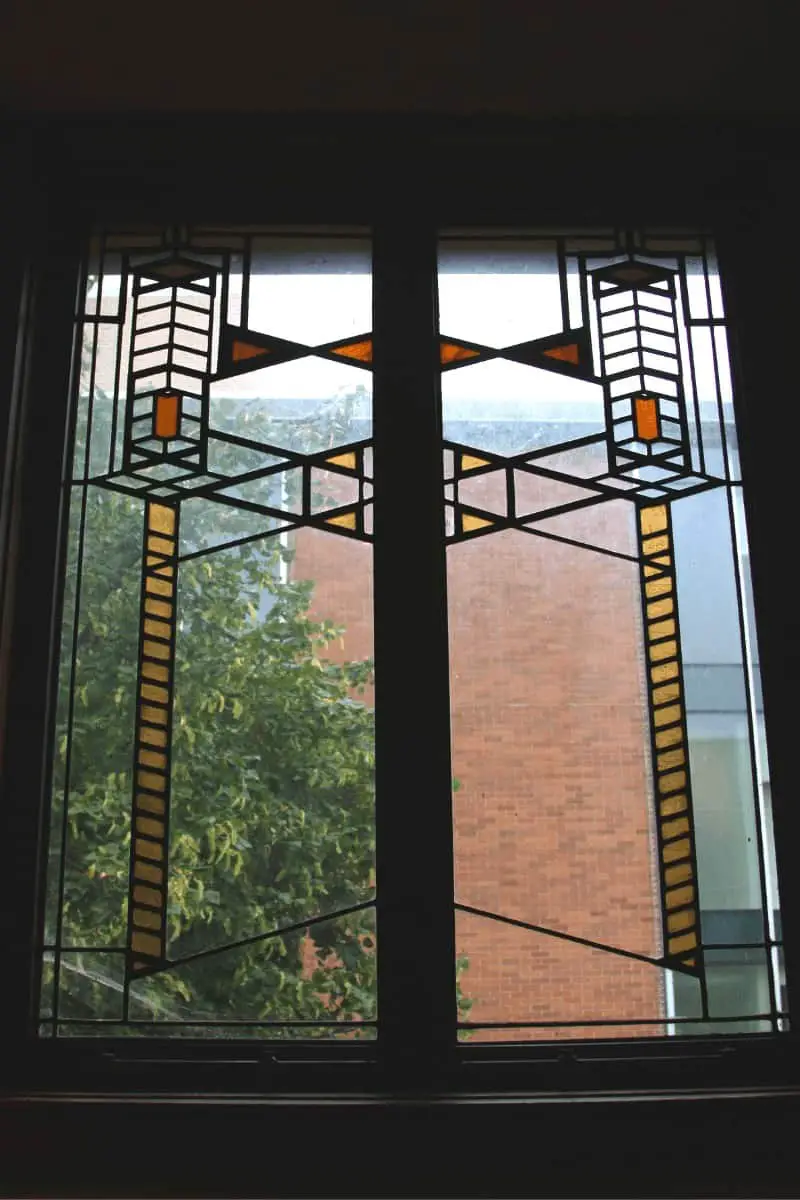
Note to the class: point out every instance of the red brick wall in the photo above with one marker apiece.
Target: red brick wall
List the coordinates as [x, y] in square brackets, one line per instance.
[341, 568]
[552, 815]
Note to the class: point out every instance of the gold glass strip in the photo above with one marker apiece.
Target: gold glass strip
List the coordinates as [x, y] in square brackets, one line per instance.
[151, 778]
[147, 895]
[680, 917]
[145, 943]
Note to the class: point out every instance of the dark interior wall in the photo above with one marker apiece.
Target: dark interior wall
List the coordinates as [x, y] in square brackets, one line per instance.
[406, 1151]
[647, 58]
[562, 58]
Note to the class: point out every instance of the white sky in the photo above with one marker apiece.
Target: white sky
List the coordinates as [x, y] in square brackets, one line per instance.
[494, 309]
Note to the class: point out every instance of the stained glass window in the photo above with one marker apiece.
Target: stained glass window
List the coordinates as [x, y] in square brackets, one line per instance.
[215, 865]
[211, 858]
[613, 861]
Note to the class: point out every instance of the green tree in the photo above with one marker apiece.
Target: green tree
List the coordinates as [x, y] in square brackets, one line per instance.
[272, 811]
[273, 767]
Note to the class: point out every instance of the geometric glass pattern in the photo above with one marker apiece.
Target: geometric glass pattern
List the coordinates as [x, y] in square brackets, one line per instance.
[610, 790]
[187, 426]
[643, 327]
[568, 353]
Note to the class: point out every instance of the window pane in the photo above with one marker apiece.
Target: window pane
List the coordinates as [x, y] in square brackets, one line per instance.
[211, 852]
[612, 828]
[320, 977]
[738, 983]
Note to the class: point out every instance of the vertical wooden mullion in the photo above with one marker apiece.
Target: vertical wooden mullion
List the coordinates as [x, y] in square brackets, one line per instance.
[416, 989]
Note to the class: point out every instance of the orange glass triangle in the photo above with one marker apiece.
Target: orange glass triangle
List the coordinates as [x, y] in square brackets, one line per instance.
[471, 462]
[243, 350]
[347, 460]
[362, 351]
[470, 521]
[569, 353]
[451, 352]
[346, 520]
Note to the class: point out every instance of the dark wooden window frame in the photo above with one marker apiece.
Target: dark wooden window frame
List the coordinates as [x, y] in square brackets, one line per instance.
[404, 179]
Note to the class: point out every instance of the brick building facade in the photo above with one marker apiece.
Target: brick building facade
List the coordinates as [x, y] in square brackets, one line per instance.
[552, 797]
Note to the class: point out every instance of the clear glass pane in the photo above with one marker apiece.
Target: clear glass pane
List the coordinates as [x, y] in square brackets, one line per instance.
[310, 291]
[307, 405]
[496, 406]
[508, 974]
[738, 987]
[91, 986]
[500, 293]
[278, 730]
[323, 974]
[552, 813]
[96, 721]
[719, 727]
[47, 981]
[339, 1031]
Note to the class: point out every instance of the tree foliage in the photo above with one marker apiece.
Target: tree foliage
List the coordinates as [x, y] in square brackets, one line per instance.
[272, 805]
[272, 811]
